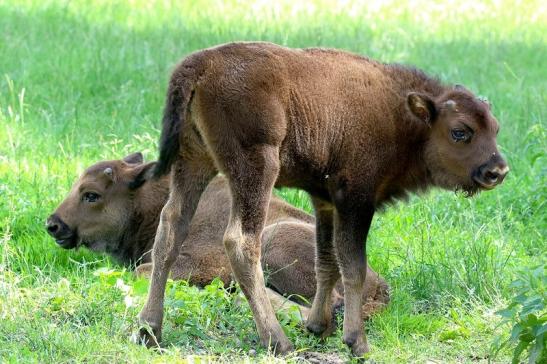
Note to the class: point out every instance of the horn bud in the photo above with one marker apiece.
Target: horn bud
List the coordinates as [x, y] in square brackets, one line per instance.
[108, 172]
[451, 105]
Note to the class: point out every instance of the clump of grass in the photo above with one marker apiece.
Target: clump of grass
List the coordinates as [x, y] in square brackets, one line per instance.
[527, 313]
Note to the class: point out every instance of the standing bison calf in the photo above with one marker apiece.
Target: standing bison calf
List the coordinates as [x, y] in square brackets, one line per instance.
[112, 209]
[352, 132]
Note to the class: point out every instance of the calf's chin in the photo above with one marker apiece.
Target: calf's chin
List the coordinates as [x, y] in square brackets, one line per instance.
[101, 245]
[445, 179]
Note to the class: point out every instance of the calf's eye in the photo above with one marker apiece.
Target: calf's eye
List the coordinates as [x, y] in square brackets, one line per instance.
[90, 197]
[459, 135]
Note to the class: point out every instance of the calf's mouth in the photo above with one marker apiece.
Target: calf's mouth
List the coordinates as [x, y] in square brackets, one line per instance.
[64, 236]
[68, 242]
[484, 186]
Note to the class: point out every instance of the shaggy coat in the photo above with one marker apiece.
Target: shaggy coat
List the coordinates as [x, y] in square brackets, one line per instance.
[352, 132]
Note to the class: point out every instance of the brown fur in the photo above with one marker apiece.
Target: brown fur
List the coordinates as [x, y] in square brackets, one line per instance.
[352, 132]
[123, 222]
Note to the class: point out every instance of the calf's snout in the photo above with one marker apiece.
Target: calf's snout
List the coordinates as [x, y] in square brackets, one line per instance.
[54, 225]
[60, 231]
[492, 173]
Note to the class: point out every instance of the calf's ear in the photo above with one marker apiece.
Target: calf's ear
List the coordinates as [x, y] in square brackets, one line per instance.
[140, 175]
[134, 158]
[422, 107]
[461, 88]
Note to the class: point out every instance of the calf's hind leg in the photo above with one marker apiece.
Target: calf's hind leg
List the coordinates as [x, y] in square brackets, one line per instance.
[251, 178]
[326, 271]
[188, 181]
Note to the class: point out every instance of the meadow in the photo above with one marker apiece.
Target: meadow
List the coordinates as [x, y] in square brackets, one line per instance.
[82, 81]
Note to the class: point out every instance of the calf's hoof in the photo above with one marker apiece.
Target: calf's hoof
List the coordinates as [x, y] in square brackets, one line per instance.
[321, 329]
[282, 346]
[149, 334]
[357, 343]
[148, 338]
[277, 342]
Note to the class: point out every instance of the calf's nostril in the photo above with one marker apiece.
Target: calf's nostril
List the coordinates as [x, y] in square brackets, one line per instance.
[491, 176]
[52, 228]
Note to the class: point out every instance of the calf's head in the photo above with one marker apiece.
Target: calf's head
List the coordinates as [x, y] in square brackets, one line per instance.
[99, 205]
[460, 152]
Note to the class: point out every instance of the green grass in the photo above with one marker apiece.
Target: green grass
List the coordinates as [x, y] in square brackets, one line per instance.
[85, 80]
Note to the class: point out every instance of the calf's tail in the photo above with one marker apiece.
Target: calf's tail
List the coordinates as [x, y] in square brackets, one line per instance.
[179, 94]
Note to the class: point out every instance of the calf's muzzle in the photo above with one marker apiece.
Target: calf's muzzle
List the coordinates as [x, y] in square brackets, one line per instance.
[491, 173]
[61, 232]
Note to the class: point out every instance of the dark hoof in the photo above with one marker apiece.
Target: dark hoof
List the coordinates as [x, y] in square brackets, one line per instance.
[280, 347]
[321, 329]
[316, 328]
[283, 348]
[149, 337]
[357, 343]
[360, 349]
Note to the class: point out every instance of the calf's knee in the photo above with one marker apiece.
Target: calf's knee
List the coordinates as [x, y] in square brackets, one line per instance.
[170, 213]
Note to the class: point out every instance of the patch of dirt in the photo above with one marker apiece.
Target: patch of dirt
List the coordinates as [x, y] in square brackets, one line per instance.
[320, 358]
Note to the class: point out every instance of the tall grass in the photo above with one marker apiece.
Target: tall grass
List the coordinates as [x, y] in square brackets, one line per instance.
[85, 80]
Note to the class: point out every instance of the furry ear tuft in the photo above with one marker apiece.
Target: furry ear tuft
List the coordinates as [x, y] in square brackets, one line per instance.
[142, 175]
[422, 107]
[134, 158]
[461, 88]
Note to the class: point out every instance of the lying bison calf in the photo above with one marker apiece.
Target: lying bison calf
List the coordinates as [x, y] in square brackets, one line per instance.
[112, 209]
[352, 132]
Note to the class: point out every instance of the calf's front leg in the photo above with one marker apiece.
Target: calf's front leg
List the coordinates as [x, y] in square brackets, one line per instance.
[351, 227]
